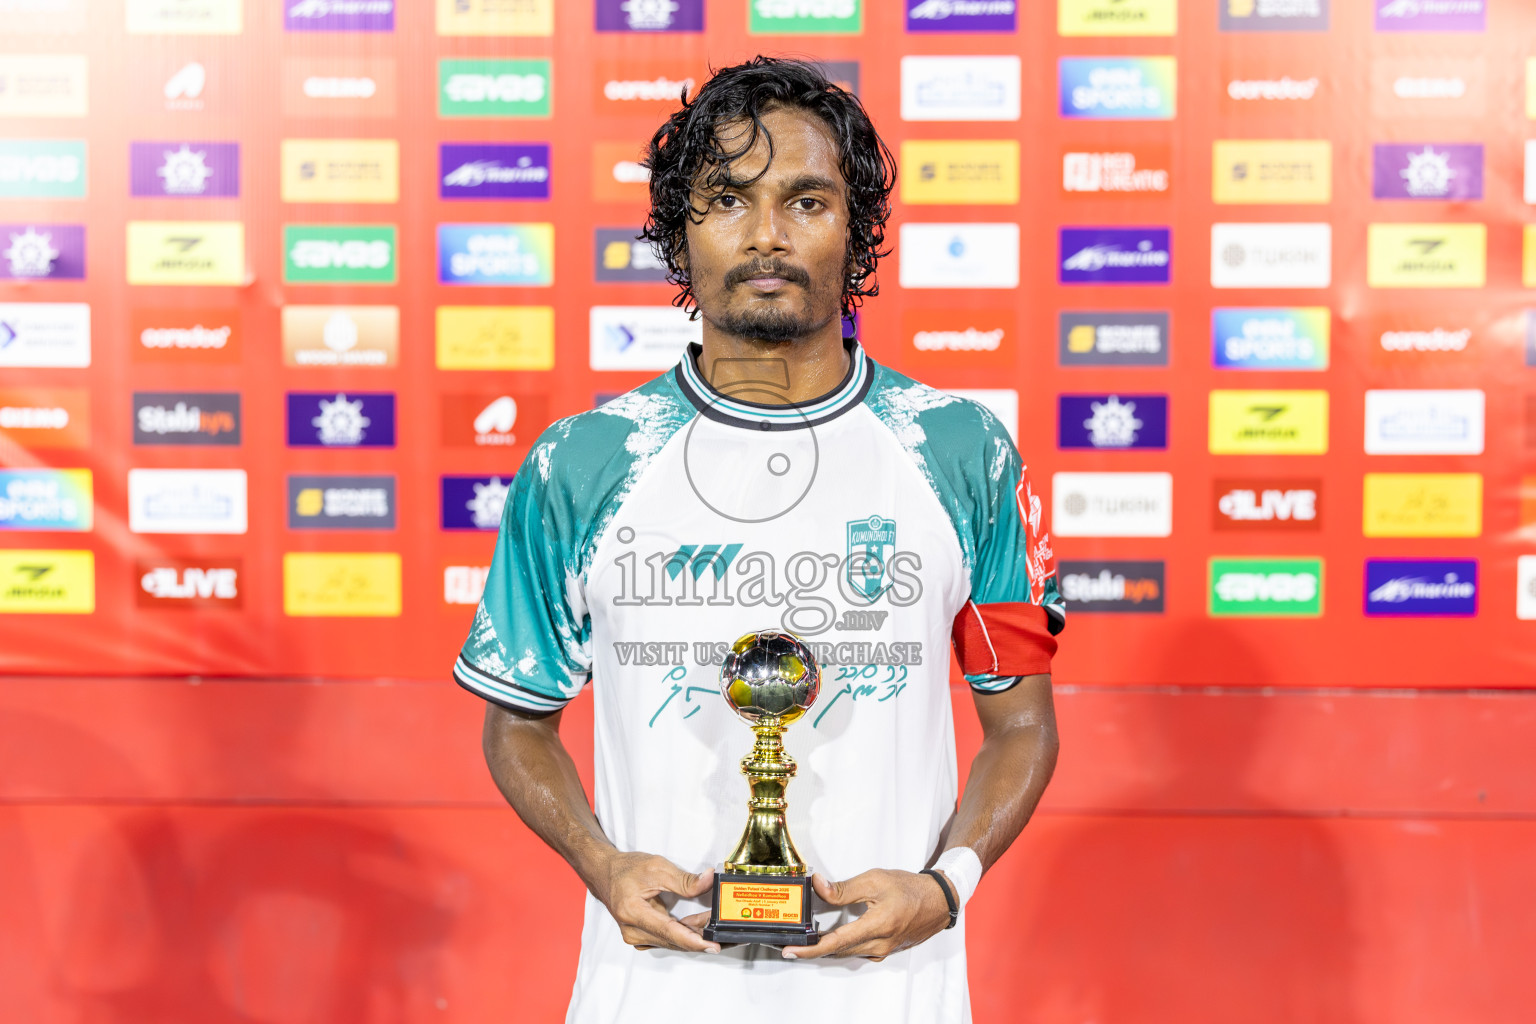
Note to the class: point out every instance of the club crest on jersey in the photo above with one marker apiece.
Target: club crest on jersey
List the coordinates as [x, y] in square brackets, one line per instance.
[871, 542]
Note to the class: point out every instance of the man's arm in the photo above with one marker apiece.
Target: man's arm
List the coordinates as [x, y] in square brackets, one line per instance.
[1007, 778]
[535, 773]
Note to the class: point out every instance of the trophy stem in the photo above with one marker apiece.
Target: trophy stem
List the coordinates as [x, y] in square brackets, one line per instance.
[765, 847]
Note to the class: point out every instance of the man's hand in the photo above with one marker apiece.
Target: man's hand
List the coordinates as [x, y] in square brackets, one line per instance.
[904, 909]
[630, 884]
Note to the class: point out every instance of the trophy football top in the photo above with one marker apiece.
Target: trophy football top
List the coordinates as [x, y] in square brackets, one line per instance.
[770, 675]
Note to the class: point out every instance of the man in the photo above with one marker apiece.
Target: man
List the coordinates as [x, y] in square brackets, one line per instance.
[776, 479]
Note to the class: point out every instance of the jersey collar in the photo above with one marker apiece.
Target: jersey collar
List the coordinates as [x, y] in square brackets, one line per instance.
[735, 411]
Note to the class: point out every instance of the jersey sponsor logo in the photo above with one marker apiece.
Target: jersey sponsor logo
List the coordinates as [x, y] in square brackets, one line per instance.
[464, 584]
[962, 15]
[1271, 255]
[618, 176]
[1266, 587]
[492, 420]
[186, 335]
[362, 584]
[1118, 88]
[1267, 505]
[791, 17]
[1404, 587]
[493, 171]
[199, 252]
[358, 419]
[1118, 586]
[1268, 423]
[1115, 255]
[959, 255]
[1429, 88]
[1270, 339]
[1000, 402]
[1140, 170]
[351, 87]
[1112, 504]
[651, 88]
[1112, 422]
[474, 502]
[959, 172]
[1427, 255]
[184, 17]
[493, 88]
[187, 501]
[496, 254]
[639, 337]
[188, 583]
[36, 85]
[46, 417]
[339, 253]
[184, 170]
[47, 581]
[621, 256]
[42, 252]
[339, 15]
[45, 334]
[186, 418]
[960, 88]
[46, 499]
[650, 15]
[341, 335]
[42, 168]
[340, 170]
[1444, 171]
[495, 337]
[1296, 171]
[1274, 15]
[1112, 339]
[496, 18]
[1404, 422]
[1423, 505]
[1431, 15]
[961, 337]
[1525, 587]
[341, 503]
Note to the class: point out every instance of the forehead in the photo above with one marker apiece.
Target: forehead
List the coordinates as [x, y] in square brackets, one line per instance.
[802, 144]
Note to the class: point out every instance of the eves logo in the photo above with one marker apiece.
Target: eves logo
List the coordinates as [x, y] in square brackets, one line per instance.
[186, 418]
[339, 15]
[496, 254]
[1112, 339]
[1268, 423]
[1401, 587]
[341, 335]
[338, 254]
[1423, 505]
[344, 584]
[1450, 171]
[191, 252]
[46, 499]
[650, 16]
[1135, 170]
[325, 420]
[474, 502]
[821, 17]
[47, 582]
[1267, 505]
[42, 252]
[1115, 256]
[1112, 422]
[1118, 88]
[1270, 339]
[184, 170]
[1266, 587]
[1272, 171]
[1274, 15]
[188, 583]
[493, 171]
[960, 172]
[962, 15]
[1427, 255]
[493, 88]
[1112, 586]
[42, 169]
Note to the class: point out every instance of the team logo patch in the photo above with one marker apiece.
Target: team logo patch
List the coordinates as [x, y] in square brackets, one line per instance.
[871, 542]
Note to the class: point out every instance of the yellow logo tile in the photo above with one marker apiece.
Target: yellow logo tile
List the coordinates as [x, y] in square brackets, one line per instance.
[1427, 255]
[1529, 274]
[327, 583]
[47, 582]
[1423, 504]
[953, 171]
[341, 170]
[495, 337]
[186, 252]
[495, 18]
[1530, 88]
[184, 17]
[1269, 422]
[1272, 171]
[1117, 17]
[43, 85]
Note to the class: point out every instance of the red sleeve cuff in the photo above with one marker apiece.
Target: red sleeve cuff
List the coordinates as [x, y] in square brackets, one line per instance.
[1004, 639]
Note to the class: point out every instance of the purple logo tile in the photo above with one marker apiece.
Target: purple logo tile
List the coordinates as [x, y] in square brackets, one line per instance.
[1434, 586]
[1431, 15]
[1427, 171]
[42, 252]
[493, 171]
[650, 15]
[339, 15]
[1115, 256]
[185, 170]
[962, 16]
[474, 502]
[351, 419]
[1112, 422]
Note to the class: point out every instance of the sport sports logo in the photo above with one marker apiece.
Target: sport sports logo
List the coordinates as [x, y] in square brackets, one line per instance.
[622, 256]
[36, 85]
[46, 499]
[42, 252]
[1118, 88]
[496, 254]
[341, 503]
[1112, 422]
[1112, 339]
[959, 172]
[1271, 339]
[184, 170]
[1272, 171]
[493, 171]
[1115, 256]
[1274, 15]
[1401, 587]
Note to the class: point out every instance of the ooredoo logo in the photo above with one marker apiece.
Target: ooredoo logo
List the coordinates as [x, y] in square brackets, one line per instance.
[189, 583]
[629, 88]
[960, 337]
[185, 335]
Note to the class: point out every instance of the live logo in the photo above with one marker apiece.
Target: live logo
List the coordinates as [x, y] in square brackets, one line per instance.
[189, 583]
[1267, 505]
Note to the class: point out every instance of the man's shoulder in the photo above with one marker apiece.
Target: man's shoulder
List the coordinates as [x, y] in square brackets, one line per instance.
[612, 438]
[922, 416]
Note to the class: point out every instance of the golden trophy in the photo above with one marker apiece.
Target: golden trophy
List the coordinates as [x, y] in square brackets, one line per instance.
[763, 894]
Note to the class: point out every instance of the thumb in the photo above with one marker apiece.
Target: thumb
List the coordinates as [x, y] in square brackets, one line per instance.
[686, 884]
[838, 894]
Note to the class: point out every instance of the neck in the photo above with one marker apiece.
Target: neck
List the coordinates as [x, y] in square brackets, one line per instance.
[793, 371]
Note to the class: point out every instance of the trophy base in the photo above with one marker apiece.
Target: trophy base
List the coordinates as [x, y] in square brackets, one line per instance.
[771, 910]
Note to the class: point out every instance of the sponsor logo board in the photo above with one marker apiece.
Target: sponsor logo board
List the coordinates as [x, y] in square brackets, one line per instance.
[1429, 88]
[1273, 15]
[802, 17]
[1530, 335]
[960, 337]
[358, 419]
[959, 255]
[1525, 587]
[1267, 505]
[346, 584]
[493, 171]
[43, 85]
[1444, 171]
[1118, 586]
[496, 254]
[1112, 504]
[185, 17]
[186, 252]
[187, 501]
[171, 583]
[1403, 587]
[45, 334]
[1426, 255]
[46, 417]
[1255, 85]
[642, 88]
[47, 582]
[1430, 422]
[959, 172]
[1423, 505]
[842, 73]
[42, 169]
[495, 338]
[960, 88]
[1115, 255]
[1264, 587]
[1270, 339]
[341, 503]
[341, 335]
[1271, 255]
[497, 17]
[1112, 422]
[350, 87]
[640, 337]
[1398, 338]
[1527, 506]
[618, 176]
[650, 16]
[43, 17]
[1530, 172]
[185, 335]
[493, 88]
[962, 15]
[340, 170]
[339, 15]
[621, 256]
[1131, 170]
[464, 584]
[1117, 17]
[186, 418]
[473, 502]
[1292, 171]
[492, 420]
[1118, 88]
[339, 253]
[1528, 270]
[1268, 423]
[1431, 15]
[1112, 339]
[52, 500]
[42, 252]
[184, 170]
[183, 82]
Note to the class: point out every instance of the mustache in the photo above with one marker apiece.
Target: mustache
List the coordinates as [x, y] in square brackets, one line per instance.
[773, 268]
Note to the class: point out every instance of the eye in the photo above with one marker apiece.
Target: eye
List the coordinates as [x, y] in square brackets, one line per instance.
[807, 203]
[726, 201]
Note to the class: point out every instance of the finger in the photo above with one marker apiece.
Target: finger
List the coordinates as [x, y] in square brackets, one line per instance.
[869, 927]
[858, 889]
[696, 922]
[651, 925]
[681, 882]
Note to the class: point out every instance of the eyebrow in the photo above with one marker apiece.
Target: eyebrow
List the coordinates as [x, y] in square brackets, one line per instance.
[804, 183]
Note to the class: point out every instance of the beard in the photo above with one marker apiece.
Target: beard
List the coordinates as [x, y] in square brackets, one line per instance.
[769, 323]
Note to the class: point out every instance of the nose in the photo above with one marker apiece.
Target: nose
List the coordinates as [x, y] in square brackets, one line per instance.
[767, 231]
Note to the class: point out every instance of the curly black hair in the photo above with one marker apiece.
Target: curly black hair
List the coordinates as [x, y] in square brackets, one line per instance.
[689, 143]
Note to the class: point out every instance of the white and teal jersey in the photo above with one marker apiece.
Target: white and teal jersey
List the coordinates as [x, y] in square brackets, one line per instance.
[640, 539]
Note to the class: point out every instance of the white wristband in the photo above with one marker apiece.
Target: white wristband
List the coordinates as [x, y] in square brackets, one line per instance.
[963, 869]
